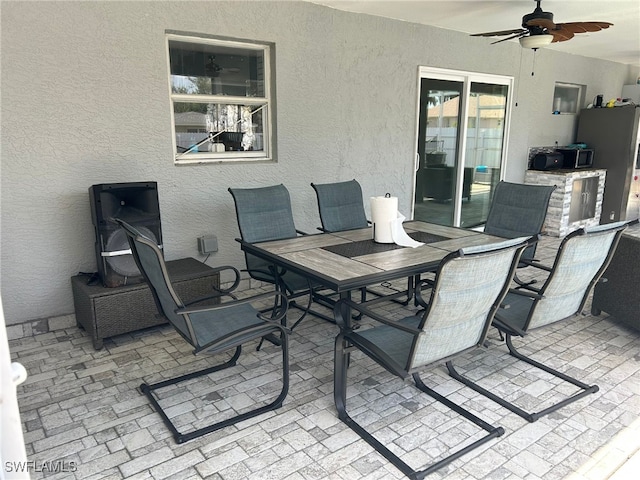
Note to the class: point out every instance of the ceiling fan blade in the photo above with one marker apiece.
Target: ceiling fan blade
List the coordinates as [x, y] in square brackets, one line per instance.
[561, 35]
[500, 33]
[523, 33]
[581, 27]
[541, 22]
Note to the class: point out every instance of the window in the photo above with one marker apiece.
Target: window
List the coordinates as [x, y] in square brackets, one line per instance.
[222, 107]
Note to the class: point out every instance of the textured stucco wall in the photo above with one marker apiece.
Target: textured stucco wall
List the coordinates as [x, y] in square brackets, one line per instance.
[84, 100]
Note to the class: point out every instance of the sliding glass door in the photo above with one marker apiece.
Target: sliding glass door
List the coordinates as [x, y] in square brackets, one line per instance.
[462, 126]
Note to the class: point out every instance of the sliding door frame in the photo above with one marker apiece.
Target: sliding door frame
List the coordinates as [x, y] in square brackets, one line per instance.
[466, 78]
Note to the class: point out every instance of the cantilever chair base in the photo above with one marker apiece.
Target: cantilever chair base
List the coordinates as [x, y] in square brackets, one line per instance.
[581, 259]
[530, 417]
[213, 329]
[450, 326]
[340, 394]
[404, 467]
[179, 437]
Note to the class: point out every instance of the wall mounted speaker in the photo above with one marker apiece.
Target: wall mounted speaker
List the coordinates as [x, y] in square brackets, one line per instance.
[137, 204]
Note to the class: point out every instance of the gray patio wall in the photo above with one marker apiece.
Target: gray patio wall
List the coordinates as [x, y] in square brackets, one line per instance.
[85, 101]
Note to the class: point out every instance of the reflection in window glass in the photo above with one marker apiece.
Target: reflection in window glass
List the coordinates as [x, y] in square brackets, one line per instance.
[461, 134]
[220, 99]
[215, 128]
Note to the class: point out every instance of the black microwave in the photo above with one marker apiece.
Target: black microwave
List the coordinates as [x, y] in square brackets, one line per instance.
[576, 157]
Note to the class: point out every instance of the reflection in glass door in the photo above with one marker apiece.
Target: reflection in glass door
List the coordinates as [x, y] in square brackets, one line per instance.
[461, 137]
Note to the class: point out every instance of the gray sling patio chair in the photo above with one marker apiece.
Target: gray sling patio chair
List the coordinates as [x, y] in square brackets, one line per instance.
[582, 257]
[213, 329]
[265, 214]
[468, 288]
[519, 210]
[341, 208]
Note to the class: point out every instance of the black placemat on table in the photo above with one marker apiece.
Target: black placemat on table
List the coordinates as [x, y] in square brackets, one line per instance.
[366, 247]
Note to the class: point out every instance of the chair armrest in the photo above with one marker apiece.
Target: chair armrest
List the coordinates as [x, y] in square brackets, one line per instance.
[369, 313]
[506, 328]
[535, 295]
[219, 292]
[535, 263]
[527, 287]
[236, 280]
[503, 306]
[324, 230]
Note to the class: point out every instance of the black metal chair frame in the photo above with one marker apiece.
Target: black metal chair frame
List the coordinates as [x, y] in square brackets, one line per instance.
[529, 224]
[232, 340]
[348, 340]
[509, 330]
[276, 275]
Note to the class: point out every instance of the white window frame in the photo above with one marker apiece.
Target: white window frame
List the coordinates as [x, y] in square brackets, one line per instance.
[262, 105]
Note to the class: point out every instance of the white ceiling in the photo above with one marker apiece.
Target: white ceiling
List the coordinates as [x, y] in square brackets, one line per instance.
[619, 43]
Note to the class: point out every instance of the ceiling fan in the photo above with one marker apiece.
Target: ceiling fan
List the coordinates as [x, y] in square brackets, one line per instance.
[214, 69]
[538, 29]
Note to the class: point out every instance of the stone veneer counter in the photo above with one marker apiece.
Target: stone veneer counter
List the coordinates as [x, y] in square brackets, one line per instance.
[559, 220]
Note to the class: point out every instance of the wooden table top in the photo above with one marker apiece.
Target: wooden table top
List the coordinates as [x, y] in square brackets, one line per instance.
[344, 261]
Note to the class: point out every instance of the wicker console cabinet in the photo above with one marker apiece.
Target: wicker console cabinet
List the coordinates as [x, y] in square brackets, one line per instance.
[619, 296]
[104, 312]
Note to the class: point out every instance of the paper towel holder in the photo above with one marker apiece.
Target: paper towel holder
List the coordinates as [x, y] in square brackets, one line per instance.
[382, 224]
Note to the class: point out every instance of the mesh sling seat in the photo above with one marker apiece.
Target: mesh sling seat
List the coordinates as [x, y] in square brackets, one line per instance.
[467, 290]
[341, 208]
[217, 329]
[518, 210]
[265, 214]
[582, 257]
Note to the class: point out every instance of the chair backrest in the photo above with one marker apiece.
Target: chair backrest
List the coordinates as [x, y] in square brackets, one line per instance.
[151, 263]
[340, 206]
[518, 210]
[581, 260]
[264, 213]
[468, 289]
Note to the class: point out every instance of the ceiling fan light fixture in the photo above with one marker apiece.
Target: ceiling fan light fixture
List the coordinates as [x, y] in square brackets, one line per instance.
[536, 41]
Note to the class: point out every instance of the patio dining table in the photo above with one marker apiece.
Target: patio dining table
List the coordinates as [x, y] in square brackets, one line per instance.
[349, 260]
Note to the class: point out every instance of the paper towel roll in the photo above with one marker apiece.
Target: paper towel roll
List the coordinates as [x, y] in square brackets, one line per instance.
[384, 210]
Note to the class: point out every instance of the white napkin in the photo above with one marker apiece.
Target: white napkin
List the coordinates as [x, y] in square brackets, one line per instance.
[400, 237]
